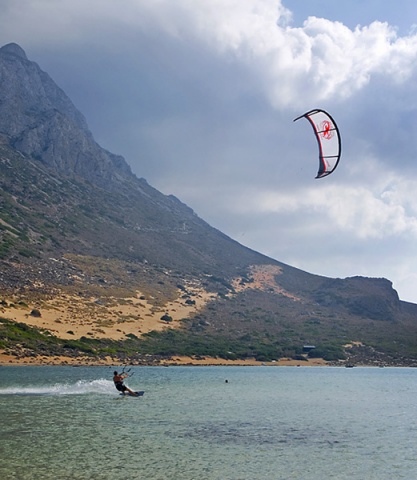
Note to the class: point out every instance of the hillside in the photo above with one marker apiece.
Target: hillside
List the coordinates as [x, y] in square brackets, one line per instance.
[96, 262]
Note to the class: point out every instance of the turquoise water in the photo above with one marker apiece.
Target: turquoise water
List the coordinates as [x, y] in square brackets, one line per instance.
[265, 423]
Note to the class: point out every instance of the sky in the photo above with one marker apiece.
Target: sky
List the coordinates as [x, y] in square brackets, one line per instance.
[200, 97]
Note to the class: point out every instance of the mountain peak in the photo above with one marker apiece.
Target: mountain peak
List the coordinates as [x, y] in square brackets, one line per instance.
[14, 49]
[41, 121]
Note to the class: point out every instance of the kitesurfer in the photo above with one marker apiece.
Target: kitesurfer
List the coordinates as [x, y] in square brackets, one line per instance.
[118, 383]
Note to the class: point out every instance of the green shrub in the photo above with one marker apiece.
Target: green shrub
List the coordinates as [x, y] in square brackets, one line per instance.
[328, 353]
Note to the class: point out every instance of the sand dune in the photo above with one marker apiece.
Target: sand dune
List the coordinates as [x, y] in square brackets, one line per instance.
[72, 317]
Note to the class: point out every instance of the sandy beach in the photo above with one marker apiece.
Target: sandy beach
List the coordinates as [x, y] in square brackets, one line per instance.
[38, 360]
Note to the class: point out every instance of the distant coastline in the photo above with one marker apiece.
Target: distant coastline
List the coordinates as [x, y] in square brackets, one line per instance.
[42, 360]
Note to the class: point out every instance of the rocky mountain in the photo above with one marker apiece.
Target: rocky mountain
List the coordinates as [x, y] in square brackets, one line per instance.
[83, 241]
[42, 122]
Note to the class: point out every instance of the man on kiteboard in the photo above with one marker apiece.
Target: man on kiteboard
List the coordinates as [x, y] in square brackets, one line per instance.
[118, 383]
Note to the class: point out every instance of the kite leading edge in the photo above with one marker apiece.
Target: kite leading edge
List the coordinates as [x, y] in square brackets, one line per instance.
[328, 139]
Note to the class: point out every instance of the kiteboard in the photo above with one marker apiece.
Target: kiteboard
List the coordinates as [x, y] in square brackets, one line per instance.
[135, 394]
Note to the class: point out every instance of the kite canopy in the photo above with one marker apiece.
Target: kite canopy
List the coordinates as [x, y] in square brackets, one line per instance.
[328, 139]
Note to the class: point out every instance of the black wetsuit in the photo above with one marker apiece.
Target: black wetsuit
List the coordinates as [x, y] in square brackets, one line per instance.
[119, 386]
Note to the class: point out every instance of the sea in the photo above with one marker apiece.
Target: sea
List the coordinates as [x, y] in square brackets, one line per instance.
[209, 423]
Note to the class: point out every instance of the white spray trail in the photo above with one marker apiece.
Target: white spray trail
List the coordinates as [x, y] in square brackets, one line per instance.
[81, 387]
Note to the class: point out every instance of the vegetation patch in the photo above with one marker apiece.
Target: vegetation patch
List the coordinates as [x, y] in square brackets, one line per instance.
[18, 338]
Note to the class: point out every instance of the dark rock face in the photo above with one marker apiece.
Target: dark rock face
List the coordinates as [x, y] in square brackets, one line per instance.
[379, 300]
[41, 121]
[373, 298]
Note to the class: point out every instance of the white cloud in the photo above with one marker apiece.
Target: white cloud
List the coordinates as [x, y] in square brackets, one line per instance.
[321, 60]
[360, 212]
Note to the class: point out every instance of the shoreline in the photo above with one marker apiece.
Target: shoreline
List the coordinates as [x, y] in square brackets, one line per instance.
[178, 361]
[39, 360]
[42, 360]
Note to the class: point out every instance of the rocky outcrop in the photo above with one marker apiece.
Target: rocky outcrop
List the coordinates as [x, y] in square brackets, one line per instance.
[42, 122]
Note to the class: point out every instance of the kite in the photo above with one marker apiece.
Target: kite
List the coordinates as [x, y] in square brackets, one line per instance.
[328, 139]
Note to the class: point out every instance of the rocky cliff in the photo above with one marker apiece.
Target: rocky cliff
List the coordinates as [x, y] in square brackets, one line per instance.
[41, 122]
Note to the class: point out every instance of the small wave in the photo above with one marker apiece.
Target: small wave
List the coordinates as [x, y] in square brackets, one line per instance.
[81, 387]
